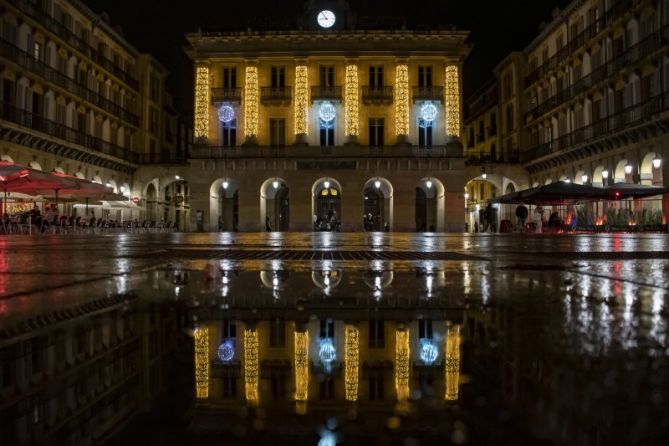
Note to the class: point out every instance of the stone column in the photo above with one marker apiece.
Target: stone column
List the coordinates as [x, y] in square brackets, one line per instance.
[454, 209]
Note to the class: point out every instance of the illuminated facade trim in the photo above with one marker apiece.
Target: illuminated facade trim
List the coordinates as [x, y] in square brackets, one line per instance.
[251, 365]
[352, 101]
[202, 91]
[301, 100]
[251, 101]
[452, 369]
[351, 361]
[452, 101]
[301, 366]
[201, 338]
[402, 355]
[402, 100]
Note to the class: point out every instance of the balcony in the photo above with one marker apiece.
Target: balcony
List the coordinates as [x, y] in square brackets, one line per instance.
[430, 93]
[326, 93]
[49, 74]
[276, 95]
[75, 41]
[226, 94]
[377, 95]
[51, 128]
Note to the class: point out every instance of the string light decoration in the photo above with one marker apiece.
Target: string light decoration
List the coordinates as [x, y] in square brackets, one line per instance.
[402, 100]
[352, 107]
[301, 366]
[452, 370]
[351, 361]
[402, 352]
[201, 337]
[202, 92]
[251, 95]
[301, 100]
[452, 101]
[251, 371]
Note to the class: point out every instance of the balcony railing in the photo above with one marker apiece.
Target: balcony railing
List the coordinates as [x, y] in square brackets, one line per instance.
[51, 128]
[75, 41]
[326, 92]
[226, 94]
[428, 93]
[39, 68]
[377, 95]
[634, 115]
[318, 153]
[650, 44]
[276, 95]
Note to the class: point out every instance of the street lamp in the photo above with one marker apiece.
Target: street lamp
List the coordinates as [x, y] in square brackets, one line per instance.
[275, 184]
[605, 174]
[484, 175]
[326, 183]
[177, 177]
[584, 178]
[628, 169]
[657, 162]
[377, 184]
[428, 183]
[225, 184]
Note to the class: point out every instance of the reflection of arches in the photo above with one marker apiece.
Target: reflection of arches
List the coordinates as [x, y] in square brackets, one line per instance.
[113, 185]
[59, 170]
[80, 175]
[429, 205]
[326, 279]
[35, 165]
[7, 158]
[224, 205]
[378, 202]
[326, 199]
[378, 281]
[565, 179]
[275, 204]
[273, 279]
[548, 181]
[619, 175]
[97, 179]
[650, 175]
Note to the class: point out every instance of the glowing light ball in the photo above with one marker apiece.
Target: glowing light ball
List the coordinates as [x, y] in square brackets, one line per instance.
[327, 351]
[226, 114]
[327, 112]
[428, 112]
[428, 351]
[226, 351]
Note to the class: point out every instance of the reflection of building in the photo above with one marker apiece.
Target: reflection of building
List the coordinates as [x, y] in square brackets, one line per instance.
[292, 126]
[75, 376]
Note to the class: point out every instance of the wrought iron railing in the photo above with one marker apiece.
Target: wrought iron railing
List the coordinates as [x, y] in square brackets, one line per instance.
[226, 94]
[326, 92]
[376, 94]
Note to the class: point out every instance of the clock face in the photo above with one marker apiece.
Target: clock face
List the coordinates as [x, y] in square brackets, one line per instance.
[326, 19]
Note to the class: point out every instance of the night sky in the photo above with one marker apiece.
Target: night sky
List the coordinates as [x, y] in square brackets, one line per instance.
[497, 27]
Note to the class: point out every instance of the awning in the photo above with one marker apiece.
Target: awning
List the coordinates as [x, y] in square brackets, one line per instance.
[554, 193]
[17, 178]
[626, 190]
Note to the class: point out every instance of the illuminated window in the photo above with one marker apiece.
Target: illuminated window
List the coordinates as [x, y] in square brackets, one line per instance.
[229, 133]
[424, 133]
[326, 132]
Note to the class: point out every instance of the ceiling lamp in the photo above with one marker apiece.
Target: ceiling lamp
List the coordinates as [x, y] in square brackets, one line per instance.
[377, 184]
[275, 184]
[657, 162]
[605, 174]
[584, 178]
[226, 184]
[428, 183]
[326, 183]
[628, 169]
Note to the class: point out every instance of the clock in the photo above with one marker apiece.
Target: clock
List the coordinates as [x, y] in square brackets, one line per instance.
[326, 19]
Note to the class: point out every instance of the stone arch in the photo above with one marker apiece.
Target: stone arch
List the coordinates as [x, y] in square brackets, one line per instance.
[224, 205]
[430, 205]
[649, 174]
[598, 176]
[326, 197]
[80, 175]
[619, 174]
[548, 181]
[275, 204]
[6, 158]
[578, 178]
[378, 201]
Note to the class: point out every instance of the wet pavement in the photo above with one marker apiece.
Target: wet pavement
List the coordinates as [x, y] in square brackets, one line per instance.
[524, 339]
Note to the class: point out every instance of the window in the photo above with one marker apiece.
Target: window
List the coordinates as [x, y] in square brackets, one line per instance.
[493, 124]
[278, 76]
[424, 133]
[278, 385]
[277, 333]
[229, 77]
[376, 334]
[424, 76]
[375, 382]
[509, 118]
[277, 132]
[229, 387]
[326, 329]
[229, 133]
[37, 51]
[376, 76]
[228, 329]
[155, 88]
[559, 41]
[154, 123]
[544, 55]
[376, 127]
[326, 132]
[425, 329]
[326, 388]
[327, 76]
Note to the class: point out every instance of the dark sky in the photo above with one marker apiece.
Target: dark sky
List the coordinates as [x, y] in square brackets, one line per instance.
[497, 26]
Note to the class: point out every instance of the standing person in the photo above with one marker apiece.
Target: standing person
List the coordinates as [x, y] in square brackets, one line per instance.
[539, 217]
[521, 217]
[268, 226]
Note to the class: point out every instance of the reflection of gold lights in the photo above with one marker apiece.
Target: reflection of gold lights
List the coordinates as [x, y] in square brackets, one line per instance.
[251, 372]
[301, 366]
[452, 356]
[352, 109]
[402, 352]
[452, 101]
[301, 100]
[351, 361]
[251, 102]
[202, 102]
[201, 336]
[402, 100]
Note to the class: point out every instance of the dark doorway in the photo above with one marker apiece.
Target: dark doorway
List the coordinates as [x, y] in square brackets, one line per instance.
[421, 210]
[374, 202]
[282, 209]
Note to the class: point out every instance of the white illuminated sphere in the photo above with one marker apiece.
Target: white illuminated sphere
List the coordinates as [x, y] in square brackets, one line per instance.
[327, 352]
[226, 351]
[326, 19]
[226, 114]
[428, 112]
[327, 112]
[428, 351]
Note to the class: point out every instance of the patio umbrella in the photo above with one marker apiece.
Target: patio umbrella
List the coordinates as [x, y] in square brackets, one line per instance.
[554, 193]
[17, 178]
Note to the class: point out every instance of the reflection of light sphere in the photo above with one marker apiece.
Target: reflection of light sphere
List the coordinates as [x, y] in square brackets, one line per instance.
[428, 351]
[226, 351]
[328, 439]
[428, 112]
[327, 112]
[226, 113]
[327, 352]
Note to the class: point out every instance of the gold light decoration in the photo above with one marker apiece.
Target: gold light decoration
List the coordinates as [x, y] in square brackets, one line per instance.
[201, 336]
[301, 366]
[402, 100]
[452, 101]
[251, 95]
[301, 100]
[251, 371]
[351, 361]
[202, 92]
[352, 106]
[452, 378]
[402, 353]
